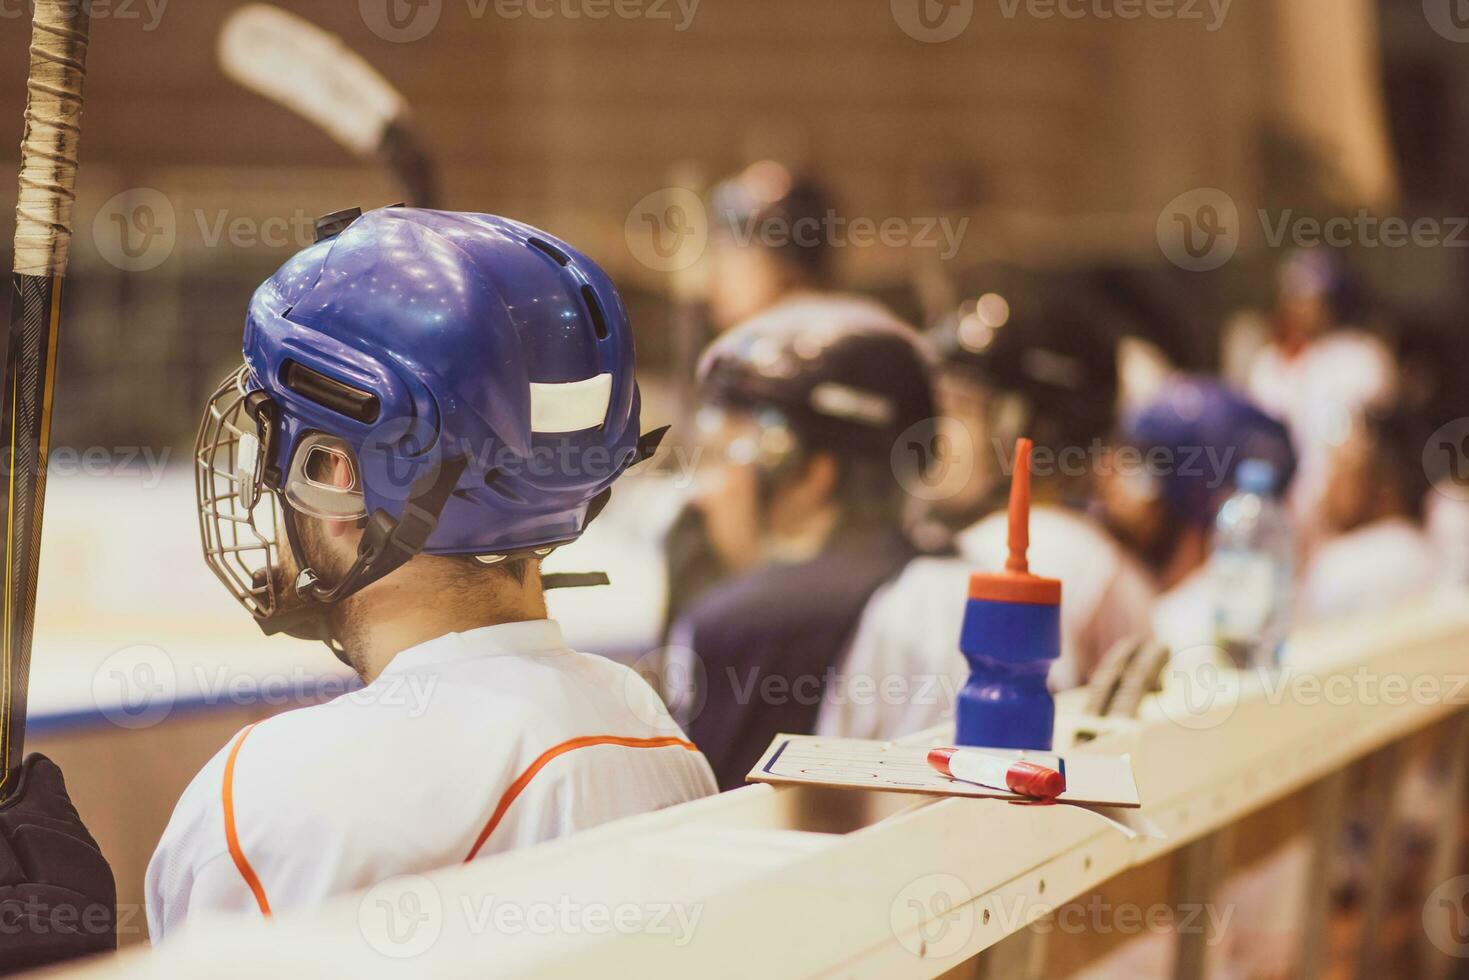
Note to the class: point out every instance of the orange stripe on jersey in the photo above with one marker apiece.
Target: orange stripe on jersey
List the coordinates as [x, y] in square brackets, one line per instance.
[230, 837]
[523, 780]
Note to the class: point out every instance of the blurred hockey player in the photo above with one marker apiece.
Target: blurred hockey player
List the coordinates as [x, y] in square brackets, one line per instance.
[1318, 374]
[769, 245]
[1161, 487]
[1433, 354]
[770, 242]
[1017, 364]
[817, 417]
[431, 402]
[1376, 553]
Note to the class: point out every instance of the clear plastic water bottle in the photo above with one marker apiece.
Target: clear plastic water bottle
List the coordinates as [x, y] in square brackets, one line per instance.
[1251, 569]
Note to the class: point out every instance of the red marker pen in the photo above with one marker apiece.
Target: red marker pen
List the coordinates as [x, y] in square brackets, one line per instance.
[994, 772]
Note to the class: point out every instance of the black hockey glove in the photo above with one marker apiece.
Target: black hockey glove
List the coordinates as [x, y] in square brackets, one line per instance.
[57, 896]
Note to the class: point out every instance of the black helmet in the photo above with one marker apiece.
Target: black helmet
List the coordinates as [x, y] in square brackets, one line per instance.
[1056, 352]
[843, 374]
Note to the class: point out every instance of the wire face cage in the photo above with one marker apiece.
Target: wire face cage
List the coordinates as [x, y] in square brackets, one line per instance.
[239, 518]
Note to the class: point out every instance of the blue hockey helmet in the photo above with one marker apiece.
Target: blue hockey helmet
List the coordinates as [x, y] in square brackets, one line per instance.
[1205, 430]
[459, 384]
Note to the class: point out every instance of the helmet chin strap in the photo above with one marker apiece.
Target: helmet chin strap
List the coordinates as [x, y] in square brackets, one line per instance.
[387, 544]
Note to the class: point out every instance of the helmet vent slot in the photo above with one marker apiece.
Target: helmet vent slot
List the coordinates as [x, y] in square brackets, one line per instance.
[330, 393]
[492, 480]
[541, 245]
[599, 320]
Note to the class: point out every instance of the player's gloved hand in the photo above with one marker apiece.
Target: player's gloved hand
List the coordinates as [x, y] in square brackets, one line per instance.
[57, 896]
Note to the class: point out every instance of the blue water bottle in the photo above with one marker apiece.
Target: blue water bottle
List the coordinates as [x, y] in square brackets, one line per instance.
[1011, 636]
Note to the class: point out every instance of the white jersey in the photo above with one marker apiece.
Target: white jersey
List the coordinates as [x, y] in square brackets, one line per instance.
[1183, 618]
[903, 669]
[1373, 566]
[1106, 595]
[1318, 393]
[1446, 516]
[470, 744]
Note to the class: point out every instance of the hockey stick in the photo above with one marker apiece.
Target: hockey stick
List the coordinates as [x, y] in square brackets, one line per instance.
[298, 65]
[42, 241]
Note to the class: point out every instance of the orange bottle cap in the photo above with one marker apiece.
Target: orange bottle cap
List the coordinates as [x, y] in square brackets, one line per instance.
[1015, 583]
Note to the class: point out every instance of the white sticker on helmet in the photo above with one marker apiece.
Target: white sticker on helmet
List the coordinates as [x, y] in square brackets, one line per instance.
[570, 406]
[853, 404]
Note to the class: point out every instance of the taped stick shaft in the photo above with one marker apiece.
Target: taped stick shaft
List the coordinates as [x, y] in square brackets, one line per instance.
[42, 242]
[48, 164]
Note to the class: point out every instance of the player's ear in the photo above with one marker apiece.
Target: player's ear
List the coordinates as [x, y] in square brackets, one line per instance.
[341, 476]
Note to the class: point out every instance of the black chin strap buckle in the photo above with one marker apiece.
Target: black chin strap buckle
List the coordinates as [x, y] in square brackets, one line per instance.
[306, 584]
[413, 528]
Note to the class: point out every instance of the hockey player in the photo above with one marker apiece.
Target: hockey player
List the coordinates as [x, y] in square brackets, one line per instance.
[1319, 374]
[816, 416]
[430, 403]
[1020, 363]
[769, 245]
[1377, 552]
[1162, 485]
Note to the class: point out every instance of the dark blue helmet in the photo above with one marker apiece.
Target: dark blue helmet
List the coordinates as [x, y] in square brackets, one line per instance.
[1207, 429]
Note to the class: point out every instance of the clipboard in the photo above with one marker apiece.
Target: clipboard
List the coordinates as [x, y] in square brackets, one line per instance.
[1092, 780]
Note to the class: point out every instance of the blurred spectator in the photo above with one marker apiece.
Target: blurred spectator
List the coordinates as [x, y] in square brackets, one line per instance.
[1019, 365]
[1161, 488]
[770, 241]
[1378, 553]
[1318, 373]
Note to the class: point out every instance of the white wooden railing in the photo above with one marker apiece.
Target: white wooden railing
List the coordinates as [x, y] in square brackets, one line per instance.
[797, 882]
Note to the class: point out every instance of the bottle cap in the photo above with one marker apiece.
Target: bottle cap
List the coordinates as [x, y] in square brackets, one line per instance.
[1255, 476]
[1015, 583]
